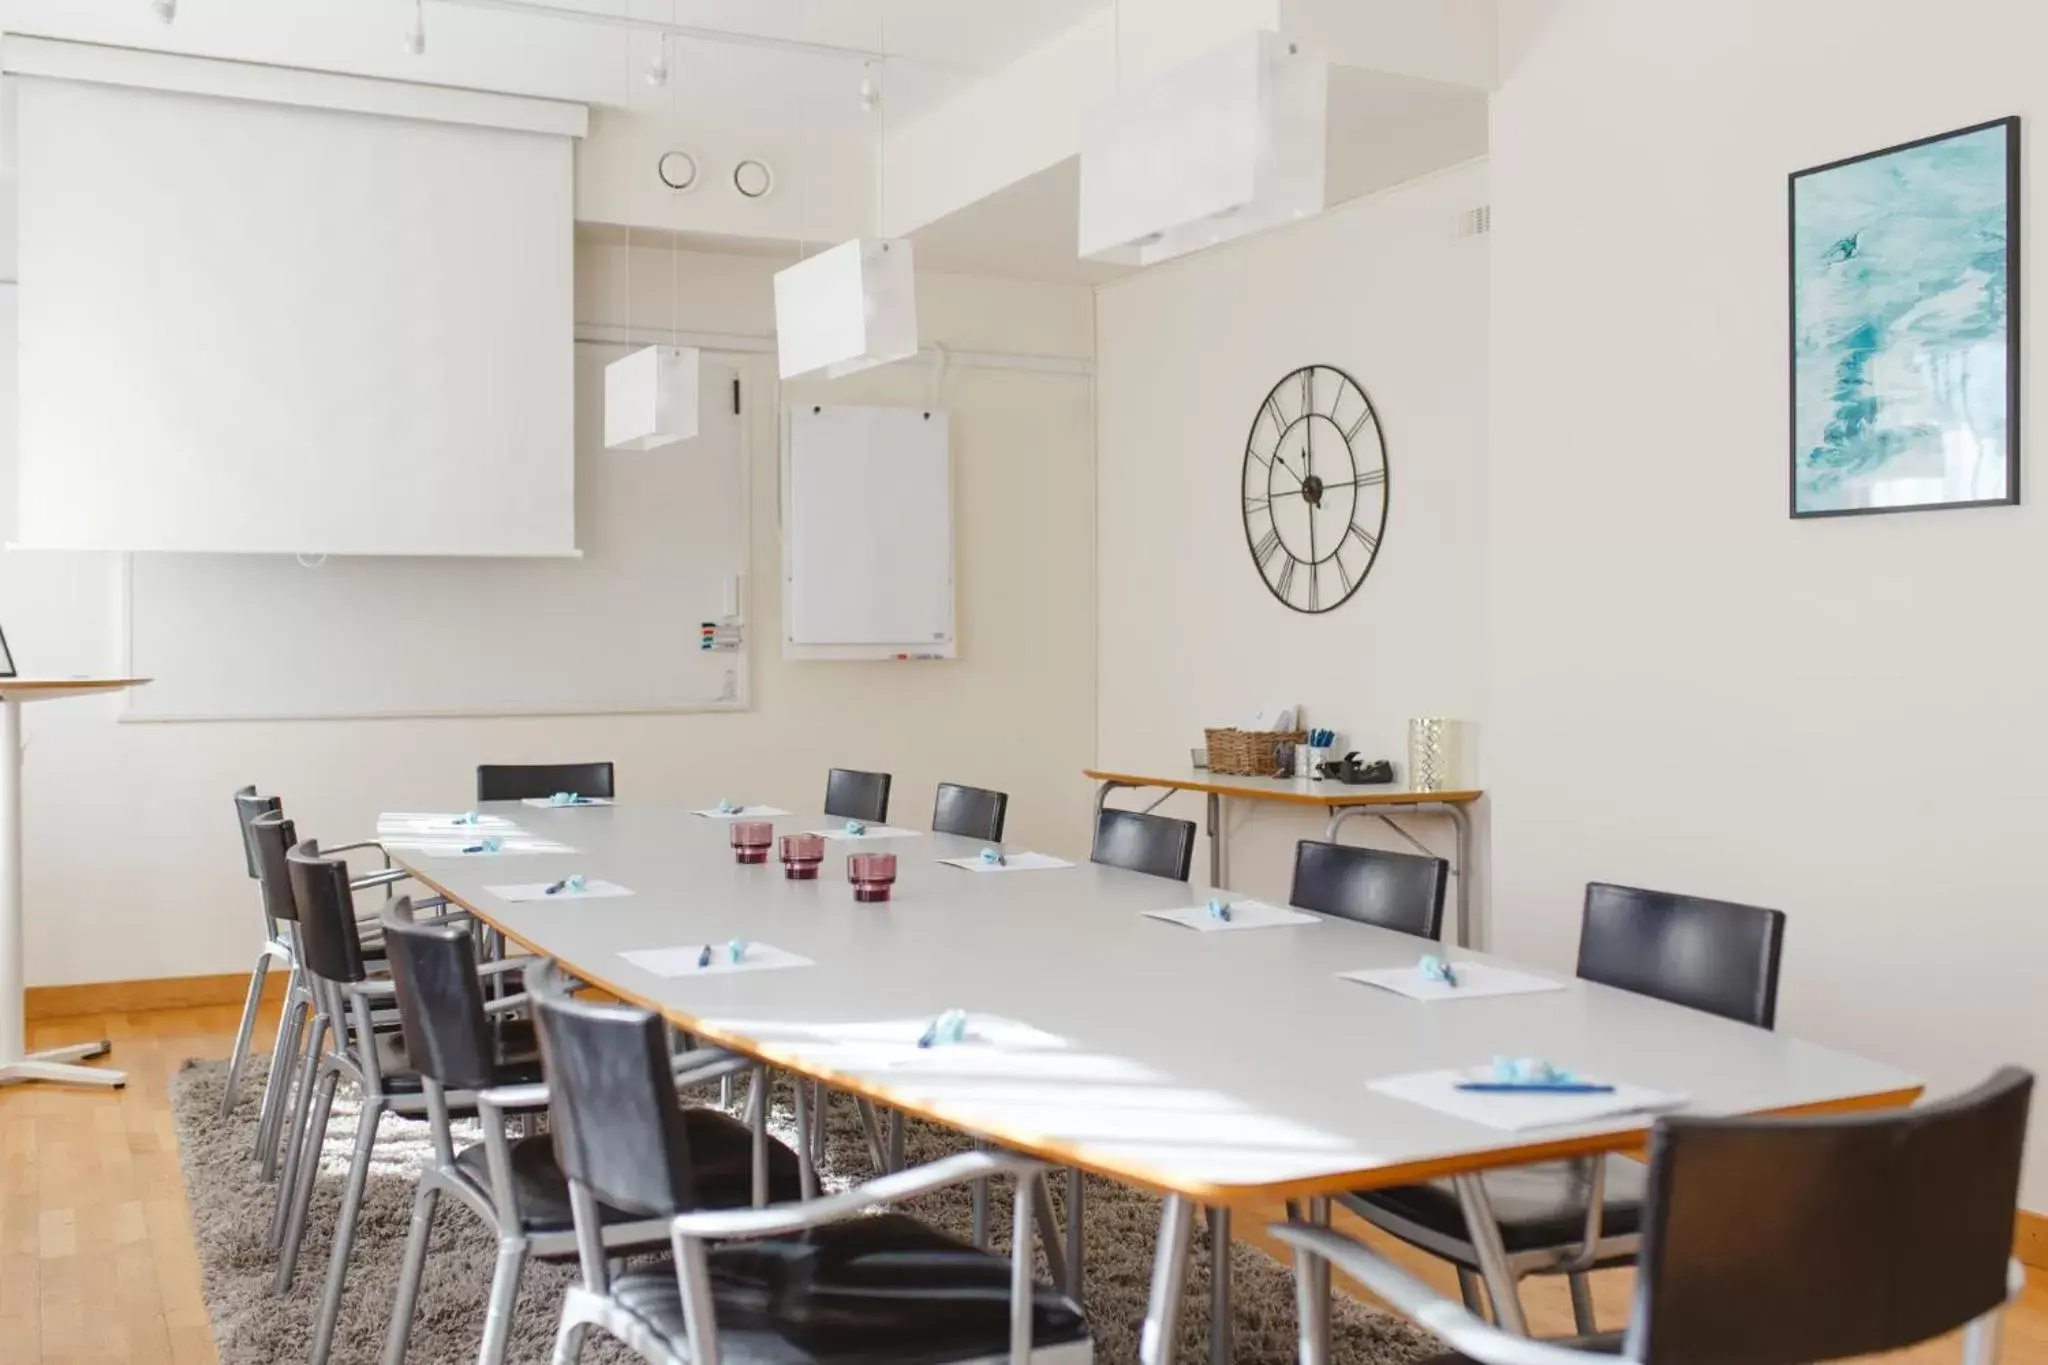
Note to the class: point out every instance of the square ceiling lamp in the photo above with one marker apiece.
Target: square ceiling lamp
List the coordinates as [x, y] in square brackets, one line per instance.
[650, 398]
[1231, 143]
[847, 309]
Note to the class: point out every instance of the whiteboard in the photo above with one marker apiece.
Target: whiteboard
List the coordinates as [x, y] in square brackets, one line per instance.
[665, 541]
[867, 532]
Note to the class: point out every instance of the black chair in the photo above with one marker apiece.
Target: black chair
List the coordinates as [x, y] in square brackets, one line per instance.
[523, 781]
[1568, 1218]
[814, 1282]
[975, 812]
[1156, 845]
[249, 805]
[854, 795]
[1785, 1241]
[347, 1042]
[513, 1184]
[1400, 891]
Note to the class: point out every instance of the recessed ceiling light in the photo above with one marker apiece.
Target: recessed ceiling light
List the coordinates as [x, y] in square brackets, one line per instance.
[678, 170]
[753, 178]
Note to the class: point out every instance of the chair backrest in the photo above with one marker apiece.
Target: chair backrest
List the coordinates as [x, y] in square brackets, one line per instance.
[329, 944]
[271, 836]
[519, 781]
[440, 1002]
[1401, 891]
[854, 795]
[248, 805]
[1779, 1241]
[1152, 844]
[973, 811]
[612, 1109]
[1709, 955]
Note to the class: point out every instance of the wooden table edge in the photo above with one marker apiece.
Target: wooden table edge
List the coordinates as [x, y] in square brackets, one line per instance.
[1336, 793]
[1061, 1153]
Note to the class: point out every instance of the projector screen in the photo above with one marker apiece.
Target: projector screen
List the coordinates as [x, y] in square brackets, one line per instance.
[273, 328]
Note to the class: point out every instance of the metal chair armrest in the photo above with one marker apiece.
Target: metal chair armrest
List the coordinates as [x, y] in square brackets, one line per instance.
[372, 988]
[707, 1064]
[384, 878]
[500, 1098]
[505, 1004]
[785, 1218]
[1422, 1305]
[503, 965]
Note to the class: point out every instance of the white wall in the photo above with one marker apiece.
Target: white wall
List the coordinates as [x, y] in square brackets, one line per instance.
[132, 861]
[1843, 719]
[1189, 634]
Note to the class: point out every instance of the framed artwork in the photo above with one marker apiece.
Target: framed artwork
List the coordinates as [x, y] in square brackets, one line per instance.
[1905, 312]
[6, 658]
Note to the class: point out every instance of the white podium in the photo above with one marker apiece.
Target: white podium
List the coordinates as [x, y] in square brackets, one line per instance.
[17, 1063]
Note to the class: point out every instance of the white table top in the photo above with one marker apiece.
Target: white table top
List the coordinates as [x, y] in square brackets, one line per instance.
[1252, 1056]
[45, 689]
[1302, 791]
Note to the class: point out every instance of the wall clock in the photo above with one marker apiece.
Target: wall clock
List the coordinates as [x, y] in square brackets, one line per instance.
[1315, 488]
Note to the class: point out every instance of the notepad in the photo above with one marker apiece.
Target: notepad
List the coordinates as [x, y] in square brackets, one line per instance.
[1015, 862]
[444, 847]
[1476, 981]
[743, 813]
[1525, 1109]
[538, 891]
[549, 803]
[873, 832]
[1243, 915]
[682, 960]
[424, 822]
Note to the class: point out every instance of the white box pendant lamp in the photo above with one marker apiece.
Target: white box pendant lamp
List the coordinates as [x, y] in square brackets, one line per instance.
[1229, 144]
[650, 398]
[847, 309]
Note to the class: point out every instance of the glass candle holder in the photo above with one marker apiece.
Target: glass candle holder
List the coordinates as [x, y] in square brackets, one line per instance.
[751, 840]
[801, 854]
[872, 874]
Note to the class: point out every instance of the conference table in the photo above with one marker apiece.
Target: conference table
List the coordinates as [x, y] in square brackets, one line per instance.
[1220, 1069]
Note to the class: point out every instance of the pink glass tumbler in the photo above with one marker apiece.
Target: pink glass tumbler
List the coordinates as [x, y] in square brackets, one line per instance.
[750, 840]
[801, 854]
[872, 874]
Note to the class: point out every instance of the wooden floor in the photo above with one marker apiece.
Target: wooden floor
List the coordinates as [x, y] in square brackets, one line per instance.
[96, 1256]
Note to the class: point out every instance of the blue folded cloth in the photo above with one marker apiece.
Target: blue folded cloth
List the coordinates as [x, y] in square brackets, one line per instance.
[993, 858]
[949, 1027]
[855, 829]
[1434, 968]
[1218, 910]
[565, 799]
[1530, 1071]
[727, 807]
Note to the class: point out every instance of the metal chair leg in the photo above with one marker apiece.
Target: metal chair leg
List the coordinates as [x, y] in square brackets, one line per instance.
[1483, 1231]
[239, 1058]
[504, 1294]
[345, 1231]
[1583, 1317]
[1161, 1332]
[301, 1189]
[1077, 1233]
[411, 1272]
[1469, 1289]
[277, 1090]
[301, 1103]
[806, 1167]
[568, 1343]
[1048, 1231]
[1220, 1346]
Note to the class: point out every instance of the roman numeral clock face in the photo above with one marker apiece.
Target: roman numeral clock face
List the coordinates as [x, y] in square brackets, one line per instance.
[1315, 488]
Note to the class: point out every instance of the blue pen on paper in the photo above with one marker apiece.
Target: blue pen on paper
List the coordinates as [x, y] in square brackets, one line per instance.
[994, 858]
[1218, 910]
[950, 1027]
[854, 829]
[490, 845]
[1434, 968]
[573, 882]
[1533, 1075]
[704, 958]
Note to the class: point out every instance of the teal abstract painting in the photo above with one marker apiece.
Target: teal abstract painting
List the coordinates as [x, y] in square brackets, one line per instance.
[1905, 326]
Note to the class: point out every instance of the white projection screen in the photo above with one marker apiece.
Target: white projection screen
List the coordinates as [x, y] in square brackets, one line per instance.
[271, 328]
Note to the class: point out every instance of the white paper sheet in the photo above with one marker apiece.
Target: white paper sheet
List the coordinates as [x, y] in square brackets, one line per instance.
[1243, 915]
[445, 846]
[743, 813]
[1521, 1110]
[546, 804]
[1016, 862]
[427, 822]
[1476, 981]
[538, 891]
[682, 960]
[873, 832]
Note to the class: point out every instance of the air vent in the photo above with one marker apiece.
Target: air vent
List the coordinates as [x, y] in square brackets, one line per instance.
[1474, 222]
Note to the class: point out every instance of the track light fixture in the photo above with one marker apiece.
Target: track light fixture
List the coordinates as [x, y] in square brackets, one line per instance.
[416, 28]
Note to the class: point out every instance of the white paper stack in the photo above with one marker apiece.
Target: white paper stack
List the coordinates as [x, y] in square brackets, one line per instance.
[682, 960]
[1476, 981]
[1520, 1110]
[1243, 915]
[1015, 862]
[538, 891]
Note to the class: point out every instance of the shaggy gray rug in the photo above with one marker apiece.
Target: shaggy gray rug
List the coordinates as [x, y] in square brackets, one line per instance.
[231, 1206]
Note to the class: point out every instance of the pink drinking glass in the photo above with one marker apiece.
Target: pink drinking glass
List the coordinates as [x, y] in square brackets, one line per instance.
[750, 840]
[801, 854]
[872, 874]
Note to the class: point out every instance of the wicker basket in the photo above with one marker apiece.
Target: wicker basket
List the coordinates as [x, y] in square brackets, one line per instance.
[1248, 752]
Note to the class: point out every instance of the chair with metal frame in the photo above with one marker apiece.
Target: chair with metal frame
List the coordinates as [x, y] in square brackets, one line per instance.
[1399, 891]
[1157, 845]
[249, 805]
[514, 1184]
[1572, 1217]
[347, 1042]
[524, 781]
[814, 1281]
[974, 812]
[854, 795]
[1774, 1241]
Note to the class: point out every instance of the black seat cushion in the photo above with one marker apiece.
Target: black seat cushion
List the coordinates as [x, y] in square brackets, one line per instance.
[518, 1058]
[885, 1290]
[1537, 1207]
[721, 1163]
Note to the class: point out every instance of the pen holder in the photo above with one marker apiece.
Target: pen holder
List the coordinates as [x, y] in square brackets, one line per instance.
[872, 874]
[750, 840]
[801, 854]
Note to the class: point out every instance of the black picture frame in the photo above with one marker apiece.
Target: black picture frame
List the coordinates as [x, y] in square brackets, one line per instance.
[2011, 125]
[6, 658]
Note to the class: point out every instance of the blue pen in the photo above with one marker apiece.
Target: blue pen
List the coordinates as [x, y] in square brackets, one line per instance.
[704, 958]
[487, 846]
[1535, 1088]
[570, 883]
